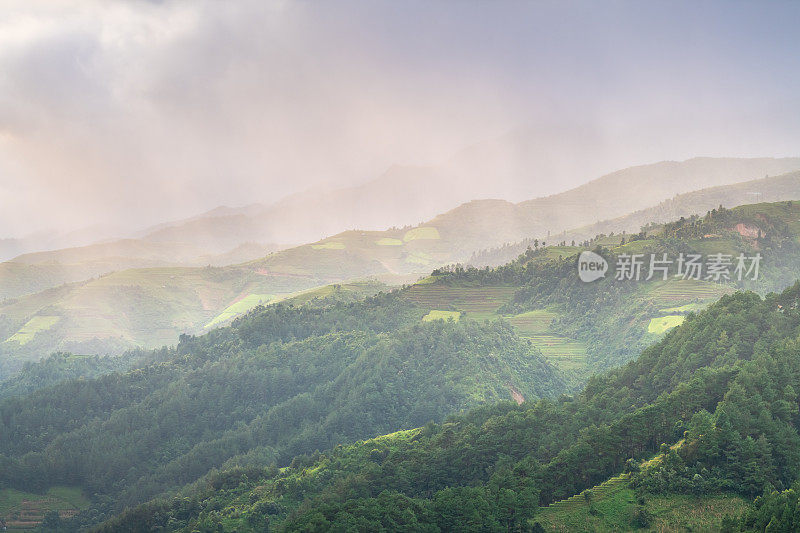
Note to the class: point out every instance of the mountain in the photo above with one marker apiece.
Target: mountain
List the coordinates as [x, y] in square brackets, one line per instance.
[770, 189]
[284, 381]
[279, 382]
[34, 272]
[401, 195]
[429, 191]
[226, 236]
[607, 197]
[684, 436]
[149, 307]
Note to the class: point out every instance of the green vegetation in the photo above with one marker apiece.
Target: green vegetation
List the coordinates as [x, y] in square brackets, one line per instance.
[442, 315]
[565, 353]
[239, 307]
[329, 245]
[612, 318]
[281, 381]
[144, 308]
[256, 426]
[605, 507]
[721, 386]
[477, 303]
[663, 324]
[688, 308]
[422, 233]
[389, 241]
[24, 510]
[533, 322]
[59, 367]
[150, 307]
[32, 327]
[614, 506]
[419, 258]
[683, 290]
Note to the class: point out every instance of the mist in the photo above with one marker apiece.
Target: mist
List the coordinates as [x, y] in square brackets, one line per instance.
[125, 114]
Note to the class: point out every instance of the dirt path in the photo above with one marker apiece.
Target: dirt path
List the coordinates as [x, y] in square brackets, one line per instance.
[518, 397]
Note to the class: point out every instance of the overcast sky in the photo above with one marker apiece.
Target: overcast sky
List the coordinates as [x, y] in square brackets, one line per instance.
[131, 113]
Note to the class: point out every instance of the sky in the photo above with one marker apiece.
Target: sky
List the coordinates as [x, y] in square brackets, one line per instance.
[126, 114]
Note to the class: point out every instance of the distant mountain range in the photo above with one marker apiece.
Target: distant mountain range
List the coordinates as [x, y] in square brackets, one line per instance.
[770, 189]
[146, 291]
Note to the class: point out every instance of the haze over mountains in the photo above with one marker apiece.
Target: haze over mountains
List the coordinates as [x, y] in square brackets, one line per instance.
[155, 287]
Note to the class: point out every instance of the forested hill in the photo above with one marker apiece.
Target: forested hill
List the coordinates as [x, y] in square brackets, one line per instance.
[615, 319]
[280, 382]
[721, 389]
[284, 382]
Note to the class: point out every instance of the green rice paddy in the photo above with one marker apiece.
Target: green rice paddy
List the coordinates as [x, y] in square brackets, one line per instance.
[32, 327]
[425, 232]
[238, 308]
[437, 314]
[24, 510]
[332, 245]
[665, 323]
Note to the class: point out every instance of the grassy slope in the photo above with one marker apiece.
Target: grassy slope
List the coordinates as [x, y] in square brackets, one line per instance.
[139, 307]
[611, 506]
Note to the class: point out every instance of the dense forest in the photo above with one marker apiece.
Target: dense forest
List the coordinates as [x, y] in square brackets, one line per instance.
[722, 387]
[280, 382]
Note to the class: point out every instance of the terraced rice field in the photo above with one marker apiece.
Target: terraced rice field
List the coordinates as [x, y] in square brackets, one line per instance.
[686, 291]
[610, 505]
[568, 354]
[239, 307]
[688, 308]
[388, 241]
[32, 327]
[419, 258]
[665, 323]
[24, 511]
[437, 314]
[532, 322]
[606, 488]
[333, 245]
[477, 302]
[425, 232]
[611, 501]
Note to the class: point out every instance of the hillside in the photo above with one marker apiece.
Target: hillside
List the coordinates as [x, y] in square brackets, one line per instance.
[770, 189]
[720, 389]
[399, 196]
[139, 308]
[456, 235]
[280, 382]
[148, 307]
[284, 380]
[151, 307]
[607, 197]
[586, 327]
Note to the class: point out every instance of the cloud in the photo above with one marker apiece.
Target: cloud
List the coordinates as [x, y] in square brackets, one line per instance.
[136, 112]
